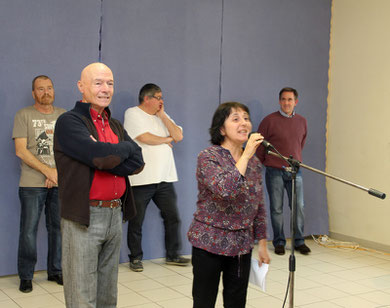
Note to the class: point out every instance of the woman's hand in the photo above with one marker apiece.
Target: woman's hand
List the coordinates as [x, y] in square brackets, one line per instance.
[255, 139]
[263, 253]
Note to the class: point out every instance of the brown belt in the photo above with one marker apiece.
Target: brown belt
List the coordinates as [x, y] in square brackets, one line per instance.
[106, 203]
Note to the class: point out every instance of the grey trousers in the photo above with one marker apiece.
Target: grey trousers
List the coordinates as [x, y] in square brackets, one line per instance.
[90, 258]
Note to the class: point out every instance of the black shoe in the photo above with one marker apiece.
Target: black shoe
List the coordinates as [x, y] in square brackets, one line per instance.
[25, 286]
[303, 249]
[180, 261]
[136, 265]
[56, 278]
[279, 250]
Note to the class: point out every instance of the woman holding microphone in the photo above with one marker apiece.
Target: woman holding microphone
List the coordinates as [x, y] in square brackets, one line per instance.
[230, 214]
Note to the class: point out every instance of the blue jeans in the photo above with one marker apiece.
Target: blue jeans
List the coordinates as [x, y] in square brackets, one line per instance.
[164, 196]
[277, 180]
[32, 200]
[90, 259]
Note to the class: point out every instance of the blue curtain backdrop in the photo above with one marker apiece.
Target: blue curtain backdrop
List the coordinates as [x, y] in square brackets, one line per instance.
[200, 53]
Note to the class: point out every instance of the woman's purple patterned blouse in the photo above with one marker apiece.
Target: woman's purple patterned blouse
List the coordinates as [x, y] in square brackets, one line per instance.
[230, 212]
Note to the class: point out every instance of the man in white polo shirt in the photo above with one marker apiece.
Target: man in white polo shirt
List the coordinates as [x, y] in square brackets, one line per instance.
[154, 131]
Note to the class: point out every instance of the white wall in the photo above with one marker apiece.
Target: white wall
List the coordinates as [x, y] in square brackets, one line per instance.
[358, 136]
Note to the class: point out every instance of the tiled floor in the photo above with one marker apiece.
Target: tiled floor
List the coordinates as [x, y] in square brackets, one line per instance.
[327, 278]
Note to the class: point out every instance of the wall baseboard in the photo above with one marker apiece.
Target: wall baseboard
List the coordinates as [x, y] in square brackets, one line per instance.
[361, 242]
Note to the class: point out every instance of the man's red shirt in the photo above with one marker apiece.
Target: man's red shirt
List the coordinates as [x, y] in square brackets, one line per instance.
[105, 185]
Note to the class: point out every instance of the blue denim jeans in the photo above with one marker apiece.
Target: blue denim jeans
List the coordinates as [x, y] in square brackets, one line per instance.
[278, 180]
[33, 200]
[90, 259]
[164, 196]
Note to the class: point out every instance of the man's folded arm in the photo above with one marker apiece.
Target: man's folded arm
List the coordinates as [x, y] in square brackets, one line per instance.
[74, 140]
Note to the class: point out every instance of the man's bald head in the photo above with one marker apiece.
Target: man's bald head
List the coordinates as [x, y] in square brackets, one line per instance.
[96, 84]
[91, 69]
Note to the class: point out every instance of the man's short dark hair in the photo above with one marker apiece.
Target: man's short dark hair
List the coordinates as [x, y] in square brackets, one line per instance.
[39, 77]
[288, 89]
[148, 90]
[221, 114]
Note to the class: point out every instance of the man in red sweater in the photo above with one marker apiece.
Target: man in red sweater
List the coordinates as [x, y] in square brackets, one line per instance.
[286, 131]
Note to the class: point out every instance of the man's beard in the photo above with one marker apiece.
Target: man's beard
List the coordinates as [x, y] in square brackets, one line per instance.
[46, 100]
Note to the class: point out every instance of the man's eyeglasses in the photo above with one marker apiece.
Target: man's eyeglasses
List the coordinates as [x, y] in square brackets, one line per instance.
[158, 98]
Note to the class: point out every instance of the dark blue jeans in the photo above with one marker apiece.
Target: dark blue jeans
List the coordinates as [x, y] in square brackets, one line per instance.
[277, 181]
[33, 200]
[164, 196]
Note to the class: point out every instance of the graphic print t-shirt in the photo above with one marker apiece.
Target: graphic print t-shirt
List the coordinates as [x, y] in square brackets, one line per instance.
[38, 128]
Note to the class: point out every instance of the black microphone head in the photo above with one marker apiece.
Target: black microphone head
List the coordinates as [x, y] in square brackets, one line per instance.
[266, 143]
[249, 135]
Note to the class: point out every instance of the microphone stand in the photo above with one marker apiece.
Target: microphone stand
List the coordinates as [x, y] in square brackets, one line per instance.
[293, 168]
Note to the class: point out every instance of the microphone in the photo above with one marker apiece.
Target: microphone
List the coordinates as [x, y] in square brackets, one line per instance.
[265, 143]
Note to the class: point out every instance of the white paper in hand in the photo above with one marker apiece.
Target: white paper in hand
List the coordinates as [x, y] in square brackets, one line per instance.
[258, 273]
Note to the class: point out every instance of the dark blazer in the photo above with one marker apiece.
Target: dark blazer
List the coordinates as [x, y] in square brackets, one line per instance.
[77, 157]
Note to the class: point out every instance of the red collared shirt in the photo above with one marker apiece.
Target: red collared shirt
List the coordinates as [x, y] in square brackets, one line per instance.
[105, 185]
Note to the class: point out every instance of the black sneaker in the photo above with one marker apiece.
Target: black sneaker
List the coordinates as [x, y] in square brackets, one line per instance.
[56, 278]
[179, 261]
[136, 265]
[279, 250]
[303, 249]
[25, 286]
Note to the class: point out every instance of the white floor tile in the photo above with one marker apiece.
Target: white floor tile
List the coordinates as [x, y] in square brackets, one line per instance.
[185, 289]
[60, 296]
[149, 305]
[326, 293]
[377, 283]
[184, 302]
[277, 275]
[129, 275]
[8, 304]
[255, 293]
[303, 298]
[354, 302]
[273, 288]
[305, 271]
[350, 275]
[131, 299]
[157, 271]
[369, 260]
[349, 264]
[39, 301]
[143, 285]
[326, 278]
[377, 297]
[321, 305]
[303, 283]
[122, 289]
[173, 280]
[49, 286]
[352, 287]
[14, 292]
[326, 267]
[372, 271]
[3, 296]
[162, 294]
[268, 301]
[9, 282]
